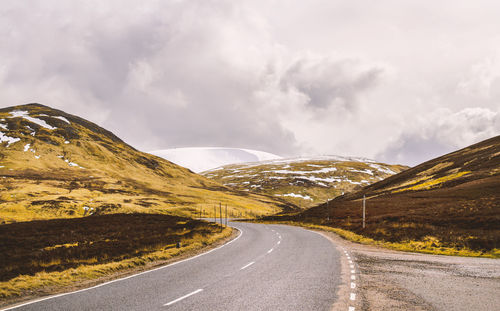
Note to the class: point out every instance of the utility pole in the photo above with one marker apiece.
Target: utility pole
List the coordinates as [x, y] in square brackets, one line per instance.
[364, 210]
[220, 213]
[327, 211]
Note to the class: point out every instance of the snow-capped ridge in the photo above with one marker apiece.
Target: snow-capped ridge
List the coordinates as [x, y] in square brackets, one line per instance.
[200, 159]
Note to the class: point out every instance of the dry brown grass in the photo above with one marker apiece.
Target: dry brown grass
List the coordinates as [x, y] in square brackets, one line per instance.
[64, 251]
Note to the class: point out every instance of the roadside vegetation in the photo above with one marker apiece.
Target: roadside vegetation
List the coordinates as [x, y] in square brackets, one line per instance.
[49, 254]
[449, 205]
[427, 245]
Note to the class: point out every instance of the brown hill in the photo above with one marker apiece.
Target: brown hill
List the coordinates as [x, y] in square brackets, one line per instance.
[53, 164]
[453, 200]
[303, 181]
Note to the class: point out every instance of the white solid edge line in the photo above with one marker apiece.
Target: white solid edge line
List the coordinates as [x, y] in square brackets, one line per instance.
[247, 265]
[183, 297]
[316, 233]
[124, 278]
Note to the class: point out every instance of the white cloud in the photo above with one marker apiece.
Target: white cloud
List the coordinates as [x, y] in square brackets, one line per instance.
[329, 77]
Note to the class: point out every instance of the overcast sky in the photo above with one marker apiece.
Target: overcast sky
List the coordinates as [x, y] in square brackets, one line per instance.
[398, 81]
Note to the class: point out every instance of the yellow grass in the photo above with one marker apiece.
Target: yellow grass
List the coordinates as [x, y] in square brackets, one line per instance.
[430, 245]
[435, 168]
[112, 173]
[434, 182]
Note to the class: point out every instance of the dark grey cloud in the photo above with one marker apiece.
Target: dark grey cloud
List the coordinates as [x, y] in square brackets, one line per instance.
[442, 133]
[328, 82]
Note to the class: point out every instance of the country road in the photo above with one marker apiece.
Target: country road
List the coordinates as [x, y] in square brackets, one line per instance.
[267, 267]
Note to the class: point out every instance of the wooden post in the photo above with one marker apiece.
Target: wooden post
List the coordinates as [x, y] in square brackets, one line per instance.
[364, 209]
[215, 214]
[220, 213]
[226, 215]
[327, 211]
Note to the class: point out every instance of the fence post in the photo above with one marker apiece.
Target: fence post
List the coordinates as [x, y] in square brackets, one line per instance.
[327, 211]
[364, 208]
[220, 213]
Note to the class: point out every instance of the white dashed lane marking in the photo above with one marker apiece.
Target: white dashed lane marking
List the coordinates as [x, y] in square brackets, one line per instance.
[183, 297]
[247, 265]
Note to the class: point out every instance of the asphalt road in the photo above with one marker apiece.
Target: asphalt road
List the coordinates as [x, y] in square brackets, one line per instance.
[267, 267]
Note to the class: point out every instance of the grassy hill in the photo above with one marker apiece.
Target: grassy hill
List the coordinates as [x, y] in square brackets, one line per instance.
[53, 165]
[451, 201]
[304, 182]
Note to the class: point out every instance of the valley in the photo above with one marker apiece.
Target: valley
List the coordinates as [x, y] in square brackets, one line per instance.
[79, 206]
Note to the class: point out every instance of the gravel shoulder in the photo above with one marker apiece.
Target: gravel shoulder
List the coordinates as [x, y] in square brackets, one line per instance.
[393, 280]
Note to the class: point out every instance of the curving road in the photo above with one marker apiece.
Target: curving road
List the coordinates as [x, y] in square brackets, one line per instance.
[267, 267]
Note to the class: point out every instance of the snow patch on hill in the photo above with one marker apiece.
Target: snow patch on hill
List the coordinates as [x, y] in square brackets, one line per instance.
[199, 159]
[25, 115]
[310, 159]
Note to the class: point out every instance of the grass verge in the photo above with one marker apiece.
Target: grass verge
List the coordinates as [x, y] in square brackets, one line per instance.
[42, 282]
[430, 245]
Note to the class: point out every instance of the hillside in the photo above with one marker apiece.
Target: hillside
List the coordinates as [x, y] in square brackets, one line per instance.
[53, 164]
[452, 200]
[199, 159]
[304, 182]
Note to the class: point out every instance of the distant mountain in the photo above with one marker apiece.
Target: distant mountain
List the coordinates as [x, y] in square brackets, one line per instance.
[454, 199]
[304, 181]
[199, 159]
[53, 164]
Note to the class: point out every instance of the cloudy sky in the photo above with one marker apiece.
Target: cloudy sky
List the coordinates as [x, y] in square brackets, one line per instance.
[398, 81]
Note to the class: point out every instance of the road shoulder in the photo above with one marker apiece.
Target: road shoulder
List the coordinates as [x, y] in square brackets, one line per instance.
[394, 280]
